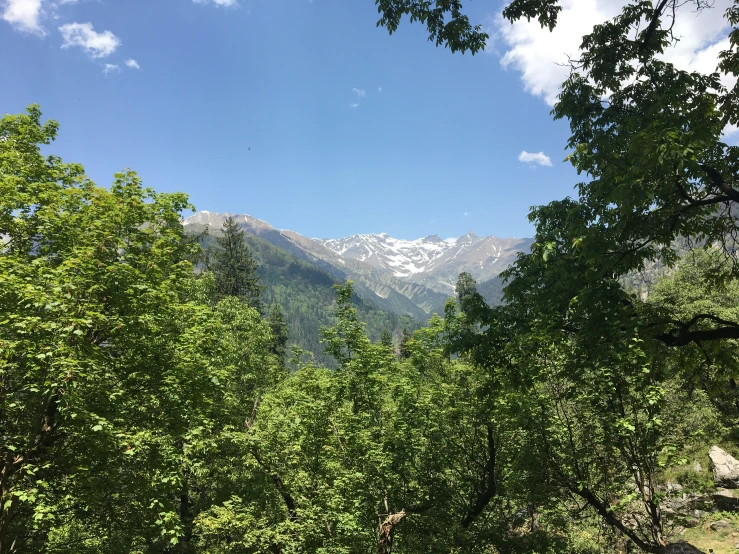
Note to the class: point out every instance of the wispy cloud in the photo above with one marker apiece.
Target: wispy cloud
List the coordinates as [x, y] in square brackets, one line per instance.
[353, 105]
[360, 92]
[379, 89]
[226, 3]
[24, 15]
[96, 45]
[538, 158]
[62, 2]
[111, 68]
[467, 214]
[133, 64]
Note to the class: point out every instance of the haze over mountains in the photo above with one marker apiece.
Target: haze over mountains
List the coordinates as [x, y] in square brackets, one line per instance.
[406, 277]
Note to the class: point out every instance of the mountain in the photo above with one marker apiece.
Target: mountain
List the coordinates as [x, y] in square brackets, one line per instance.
[305, 293]
[413, 278]
[432, 261]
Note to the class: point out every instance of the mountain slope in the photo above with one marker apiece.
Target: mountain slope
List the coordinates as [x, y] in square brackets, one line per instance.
[305, 293]
[379, 288]
[432, 261]
[412, 278]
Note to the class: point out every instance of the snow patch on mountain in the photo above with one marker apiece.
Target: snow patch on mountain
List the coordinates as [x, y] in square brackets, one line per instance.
[402, 257]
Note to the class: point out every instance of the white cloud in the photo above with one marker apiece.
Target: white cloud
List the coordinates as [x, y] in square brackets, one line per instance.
[226, 3]
[535, 52]
[97, 45]
[111, 68]
[538, 158]
[352, 105]
[133, 64]
[24, 15]
[360, 92]
[62, 2]
[467, 214]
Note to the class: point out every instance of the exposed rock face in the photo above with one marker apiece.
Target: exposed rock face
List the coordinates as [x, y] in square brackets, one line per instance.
[725, 468]
[725, 500]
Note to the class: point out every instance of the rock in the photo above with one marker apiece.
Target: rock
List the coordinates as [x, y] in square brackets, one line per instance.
[725, 500]
[720, 524]
[697, 467]
[725, 468]
[692, 522]
[674, 487]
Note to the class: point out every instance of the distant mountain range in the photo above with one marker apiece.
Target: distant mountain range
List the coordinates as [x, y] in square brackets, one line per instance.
[412, 278]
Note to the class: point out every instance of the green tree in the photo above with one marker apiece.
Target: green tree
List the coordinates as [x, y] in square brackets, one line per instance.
[597, 356]
[234, 268]
[278, 325]
[445, 22]
[386, 339]
[117, 380]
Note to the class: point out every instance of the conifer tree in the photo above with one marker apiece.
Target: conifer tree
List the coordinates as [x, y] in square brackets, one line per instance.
[278, 325]
[233, 267]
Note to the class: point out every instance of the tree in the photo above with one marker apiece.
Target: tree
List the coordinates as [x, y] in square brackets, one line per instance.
[648, 134]
[598, 357]
[445, 22]
[92, 342]
[379, 455]
[234, 268]
[117, 380]
[278, 325]
[386, 339]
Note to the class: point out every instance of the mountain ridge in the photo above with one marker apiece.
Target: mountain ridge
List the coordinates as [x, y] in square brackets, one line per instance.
[408, 277]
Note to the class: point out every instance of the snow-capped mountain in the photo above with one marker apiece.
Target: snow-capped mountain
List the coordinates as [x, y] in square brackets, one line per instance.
[432, 261]
[402, 257]
[405, 276]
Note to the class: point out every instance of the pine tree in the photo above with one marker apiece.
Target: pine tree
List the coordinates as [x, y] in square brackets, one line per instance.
[386, 338]
[278, 325]
[233, 267]
[404, 351]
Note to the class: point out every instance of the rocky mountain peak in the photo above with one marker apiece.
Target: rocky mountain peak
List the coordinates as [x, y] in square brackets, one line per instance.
[433, 238]
[431, 261]
[467, 238]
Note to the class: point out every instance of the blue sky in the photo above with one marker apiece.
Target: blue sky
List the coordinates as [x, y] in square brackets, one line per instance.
[303, 114]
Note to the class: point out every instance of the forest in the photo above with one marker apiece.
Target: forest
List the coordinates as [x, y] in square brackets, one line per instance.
[152, 399]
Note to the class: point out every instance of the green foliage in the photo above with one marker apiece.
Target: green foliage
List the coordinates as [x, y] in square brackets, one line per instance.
[598, 360]
[116, 384]
[140, 416]
[444, 21]
[278, 326]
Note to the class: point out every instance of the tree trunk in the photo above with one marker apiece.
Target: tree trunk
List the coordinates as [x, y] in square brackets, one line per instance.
[387, 530]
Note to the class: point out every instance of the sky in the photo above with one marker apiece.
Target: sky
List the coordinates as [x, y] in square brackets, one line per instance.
[305, 114]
